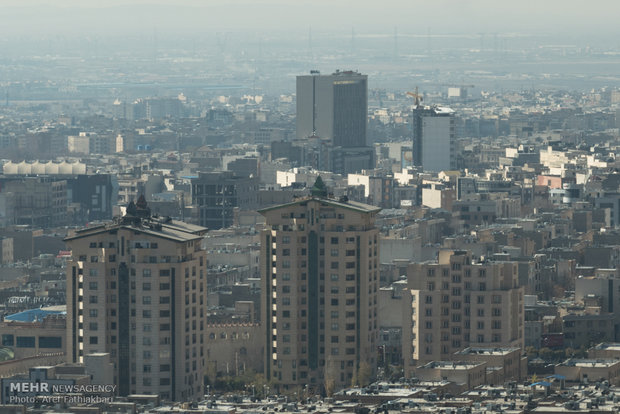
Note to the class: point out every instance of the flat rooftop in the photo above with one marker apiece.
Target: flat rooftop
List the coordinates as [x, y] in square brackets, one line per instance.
[486, 351]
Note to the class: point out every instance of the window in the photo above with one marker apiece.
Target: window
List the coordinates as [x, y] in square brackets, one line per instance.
[92, 299]
[334, 240]
[93, 340]
[92, 285]
[146, 286]
[7, 339]
[92, 313]
[93, 326]
[146, 300]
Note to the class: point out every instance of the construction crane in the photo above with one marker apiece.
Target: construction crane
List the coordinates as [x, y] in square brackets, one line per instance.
[418, 98]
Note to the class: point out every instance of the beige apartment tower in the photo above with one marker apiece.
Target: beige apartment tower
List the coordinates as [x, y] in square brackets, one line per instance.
[320, 277]
[459, 302]
[136, 288]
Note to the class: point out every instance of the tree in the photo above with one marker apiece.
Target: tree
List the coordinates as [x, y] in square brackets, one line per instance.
[364, 373]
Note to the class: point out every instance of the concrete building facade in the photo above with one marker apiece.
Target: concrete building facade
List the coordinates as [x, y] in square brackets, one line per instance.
[434, 138]
[136, 288]
[320, 280]
[333, 107]
[457, 302]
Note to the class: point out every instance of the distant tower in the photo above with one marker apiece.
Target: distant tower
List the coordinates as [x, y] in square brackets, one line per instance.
[333, 107]
[120, 145]
[433, 138]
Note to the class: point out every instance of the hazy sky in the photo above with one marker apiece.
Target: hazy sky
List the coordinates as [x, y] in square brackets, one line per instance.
[572, 17]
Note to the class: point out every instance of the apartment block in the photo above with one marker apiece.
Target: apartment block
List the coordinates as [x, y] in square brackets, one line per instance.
[136, 289]
[459, 302]
[320, 280]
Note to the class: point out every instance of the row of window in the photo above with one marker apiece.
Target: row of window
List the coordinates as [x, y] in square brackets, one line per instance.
[495, 299]
[456, 330]
[480, 338]
[445, 272]
[30, 341]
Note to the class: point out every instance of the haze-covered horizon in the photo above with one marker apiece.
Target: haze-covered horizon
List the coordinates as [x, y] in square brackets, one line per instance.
[577, 21]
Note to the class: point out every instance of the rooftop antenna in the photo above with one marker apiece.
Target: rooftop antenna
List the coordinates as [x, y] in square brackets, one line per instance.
[428, 41]
[154, 45]
[395, 41]
[310, 43]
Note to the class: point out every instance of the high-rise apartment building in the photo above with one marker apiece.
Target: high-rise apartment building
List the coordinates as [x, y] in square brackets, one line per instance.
[434, 138]
[136, 288]
[320, 277]
[460, 302]
[333, 107]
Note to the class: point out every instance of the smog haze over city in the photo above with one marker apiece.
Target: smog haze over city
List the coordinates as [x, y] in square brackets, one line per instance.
[240, 206]
[264, 44]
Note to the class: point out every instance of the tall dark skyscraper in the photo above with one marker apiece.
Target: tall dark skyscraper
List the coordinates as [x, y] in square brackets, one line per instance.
[333, 107]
